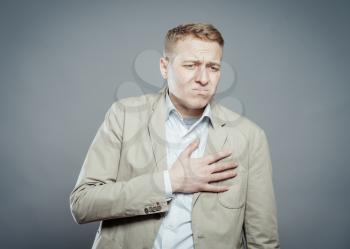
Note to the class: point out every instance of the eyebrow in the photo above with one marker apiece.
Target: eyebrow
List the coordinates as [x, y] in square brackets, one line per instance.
[198, 62]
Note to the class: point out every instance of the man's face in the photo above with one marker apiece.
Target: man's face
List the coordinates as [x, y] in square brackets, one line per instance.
[193, 73]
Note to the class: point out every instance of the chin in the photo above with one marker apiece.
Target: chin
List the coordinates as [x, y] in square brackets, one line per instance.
[198, 104]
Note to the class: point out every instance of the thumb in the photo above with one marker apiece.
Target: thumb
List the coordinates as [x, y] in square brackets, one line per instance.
[191, 147]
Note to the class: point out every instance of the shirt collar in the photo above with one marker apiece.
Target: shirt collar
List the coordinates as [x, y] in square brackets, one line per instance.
[171, 108]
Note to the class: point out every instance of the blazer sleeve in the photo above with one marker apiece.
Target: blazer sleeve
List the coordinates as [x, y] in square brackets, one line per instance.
[260, 223]
[97, 194]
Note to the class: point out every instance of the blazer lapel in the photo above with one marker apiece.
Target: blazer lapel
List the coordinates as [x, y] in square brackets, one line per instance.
[217, 137]
[156, 130]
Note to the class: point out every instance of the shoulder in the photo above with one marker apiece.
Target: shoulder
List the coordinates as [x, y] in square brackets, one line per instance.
[134, 104]
[130, 112]
[238, 123]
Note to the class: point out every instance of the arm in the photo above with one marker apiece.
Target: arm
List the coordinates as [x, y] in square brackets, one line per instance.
[97, 194]
[260, 221]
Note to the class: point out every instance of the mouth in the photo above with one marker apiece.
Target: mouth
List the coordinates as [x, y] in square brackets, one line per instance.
[200, 91]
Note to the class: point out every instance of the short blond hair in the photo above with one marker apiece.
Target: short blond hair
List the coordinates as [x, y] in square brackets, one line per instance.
[202, 31]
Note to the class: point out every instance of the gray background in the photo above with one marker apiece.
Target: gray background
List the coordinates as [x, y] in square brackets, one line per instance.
[61, 62]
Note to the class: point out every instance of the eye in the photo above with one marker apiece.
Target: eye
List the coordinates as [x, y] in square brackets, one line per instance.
[214, 68]
[190, 66]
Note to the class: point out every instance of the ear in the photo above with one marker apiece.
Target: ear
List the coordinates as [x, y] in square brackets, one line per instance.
[163, 66]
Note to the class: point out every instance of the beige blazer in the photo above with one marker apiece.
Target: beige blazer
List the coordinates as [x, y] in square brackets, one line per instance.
[121, 181]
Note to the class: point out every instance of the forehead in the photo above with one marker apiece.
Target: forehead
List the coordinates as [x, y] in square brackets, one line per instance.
[195, 49]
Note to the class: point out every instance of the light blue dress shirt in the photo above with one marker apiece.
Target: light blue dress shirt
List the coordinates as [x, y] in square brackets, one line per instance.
[176, 230]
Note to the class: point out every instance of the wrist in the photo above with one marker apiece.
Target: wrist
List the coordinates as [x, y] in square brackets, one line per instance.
[167, 185]
[173, 181]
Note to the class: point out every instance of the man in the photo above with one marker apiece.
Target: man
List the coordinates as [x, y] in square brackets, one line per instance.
[175, 169]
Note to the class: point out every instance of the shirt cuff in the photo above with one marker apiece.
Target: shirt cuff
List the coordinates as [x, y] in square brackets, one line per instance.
[167, 182]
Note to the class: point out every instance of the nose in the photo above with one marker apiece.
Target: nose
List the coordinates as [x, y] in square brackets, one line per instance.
[202, 76]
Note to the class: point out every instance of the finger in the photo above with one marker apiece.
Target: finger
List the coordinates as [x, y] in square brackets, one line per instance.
[191, 147]
[222, 176]
[225, 166]
[217, 156]
[215, 188]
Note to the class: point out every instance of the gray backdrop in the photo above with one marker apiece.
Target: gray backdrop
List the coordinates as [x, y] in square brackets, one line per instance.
[62, 63]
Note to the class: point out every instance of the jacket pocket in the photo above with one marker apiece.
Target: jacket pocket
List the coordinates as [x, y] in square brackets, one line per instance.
[235, 196]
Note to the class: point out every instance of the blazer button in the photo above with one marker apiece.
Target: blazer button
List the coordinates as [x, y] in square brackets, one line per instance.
[146, 210]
